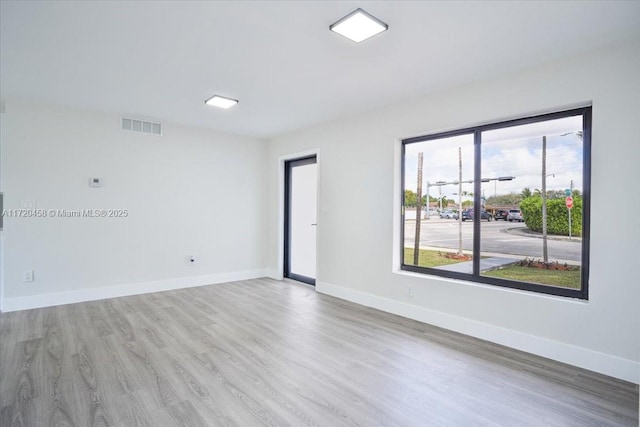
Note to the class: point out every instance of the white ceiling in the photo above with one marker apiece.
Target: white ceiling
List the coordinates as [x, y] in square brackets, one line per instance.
[163, 59]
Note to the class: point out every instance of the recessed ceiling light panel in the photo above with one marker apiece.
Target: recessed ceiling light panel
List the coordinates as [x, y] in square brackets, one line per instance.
[359, 26]
[221, 101]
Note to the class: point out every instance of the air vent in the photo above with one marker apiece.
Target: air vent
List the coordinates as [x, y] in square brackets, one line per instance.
[143, 126]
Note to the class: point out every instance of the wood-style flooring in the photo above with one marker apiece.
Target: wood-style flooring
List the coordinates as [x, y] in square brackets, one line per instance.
[263, 352]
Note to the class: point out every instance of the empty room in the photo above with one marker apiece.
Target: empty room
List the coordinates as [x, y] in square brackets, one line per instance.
[323, 213]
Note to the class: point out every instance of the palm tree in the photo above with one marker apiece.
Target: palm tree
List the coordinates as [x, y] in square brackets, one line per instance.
[444, 202]
[526, 192]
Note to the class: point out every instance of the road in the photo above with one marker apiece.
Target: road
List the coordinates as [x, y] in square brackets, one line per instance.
[497, 237]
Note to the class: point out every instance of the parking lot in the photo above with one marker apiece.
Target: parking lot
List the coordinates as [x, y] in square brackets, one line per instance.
[501, 238]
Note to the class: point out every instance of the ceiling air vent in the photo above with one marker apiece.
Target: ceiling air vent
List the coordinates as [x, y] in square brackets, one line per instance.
[143, 126]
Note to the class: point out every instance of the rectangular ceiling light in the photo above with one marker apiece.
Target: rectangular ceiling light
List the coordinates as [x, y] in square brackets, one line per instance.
[221, 101]
[358, 26]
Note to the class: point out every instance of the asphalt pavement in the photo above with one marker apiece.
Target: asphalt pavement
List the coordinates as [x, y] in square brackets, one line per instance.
[498, 239]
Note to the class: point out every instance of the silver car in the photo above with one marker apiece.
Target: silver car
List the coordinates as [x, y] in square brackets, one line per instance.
[447, 213]
[515, 215]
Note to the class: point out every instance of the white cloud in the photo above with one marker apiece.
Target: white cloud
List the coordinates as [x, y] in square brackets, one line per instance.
[520, 156]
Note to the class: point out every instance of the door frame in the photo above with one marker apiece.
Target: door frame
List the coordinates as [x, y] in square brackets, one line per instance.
[282, 212]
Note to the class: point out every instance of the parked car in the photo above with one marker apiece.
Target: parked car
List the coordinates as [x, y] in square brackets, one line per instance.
[447, 214]
[501, 214]
[515, 215]
[467, 214]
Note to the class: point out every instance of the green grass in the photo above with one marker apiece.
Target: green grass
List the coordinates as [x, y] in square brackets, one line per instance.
[428, 258]
[565, 279]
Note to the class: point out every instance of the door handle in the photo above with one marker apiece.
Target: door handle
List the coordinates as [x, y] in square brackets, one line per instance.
[314, 224]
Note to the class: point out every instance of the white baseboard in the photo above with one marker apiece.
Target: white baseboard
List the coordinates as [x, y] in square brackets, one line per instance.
[82, 295]
[275, 274]
[606, 364]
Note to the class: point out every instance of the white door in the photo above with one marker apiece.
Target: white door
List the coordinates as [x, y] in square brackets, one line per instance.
[301, 219]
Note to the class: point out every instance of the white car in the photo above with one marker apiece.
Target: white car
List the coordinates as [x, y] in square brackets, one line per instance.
[515, 215]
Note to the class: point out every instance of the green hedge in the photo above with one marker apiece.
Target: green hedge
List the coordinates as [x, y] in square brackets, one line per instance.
[557, 218]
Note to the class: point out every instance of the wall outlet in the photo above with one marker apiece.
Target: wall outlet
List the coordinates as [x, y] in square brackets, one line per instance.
[27, 276]
[95, 182]
[410, 291]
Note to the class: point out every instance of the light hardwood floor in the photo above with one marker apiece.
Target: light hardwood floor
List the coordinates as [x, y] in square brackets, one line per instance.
[264, 352]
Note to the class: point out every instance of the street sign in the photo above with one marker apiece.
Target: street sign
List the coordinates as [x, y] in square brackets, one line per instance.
[567, 192]
[569, 202]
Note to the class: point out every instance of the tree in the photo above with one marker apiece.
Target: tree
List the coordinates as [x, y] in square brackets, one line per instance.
[557, 219]
[444, 201]
[526, 192]
[431, 200]
[504, 200]
[410, 198]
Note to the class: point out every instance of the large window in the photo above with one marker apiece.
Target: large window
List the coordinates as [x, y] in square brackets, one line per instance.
[504, 204]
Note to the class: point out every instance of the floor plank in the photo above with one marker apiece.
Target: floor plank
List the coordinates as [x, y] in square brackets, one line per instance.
[264, 352]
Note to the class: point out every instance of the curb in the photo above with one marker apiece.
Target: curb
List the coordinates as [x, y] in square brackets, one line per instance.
[528, 233]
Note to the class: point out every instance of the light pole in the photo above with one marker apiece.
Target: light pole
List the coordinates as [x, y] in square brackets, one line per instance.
[439, 184]
[459, 183]
[470, 181]
[580, 135]
[495, 182]
[416, 247]
[459, 201]
[545, 253]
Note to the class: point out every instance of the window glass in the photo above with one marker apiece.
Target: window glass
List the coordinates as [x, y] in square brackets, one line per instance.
[505, 204]
[438, 178]
[533, 168]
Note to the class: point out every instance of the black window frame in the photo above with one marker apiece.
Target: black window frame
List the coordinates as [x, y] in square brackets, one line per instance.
[475, 276]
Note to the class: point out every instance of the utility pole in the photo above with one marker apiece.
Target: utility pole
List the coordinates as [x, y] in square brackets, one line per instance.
[416, 245]
[459, 201]
[545, 254]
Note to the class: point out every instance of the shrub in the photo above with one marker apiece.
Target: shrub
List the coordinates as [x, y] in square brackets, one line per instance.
[557, 217]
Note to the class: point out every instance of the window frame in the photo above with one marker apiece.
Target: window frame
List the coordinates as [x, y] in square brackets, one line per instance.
[475, 276]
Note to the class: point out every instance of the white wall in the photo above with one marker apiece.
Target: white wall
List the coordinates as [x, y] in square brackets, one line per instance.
[358, 225]
[188, 192]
